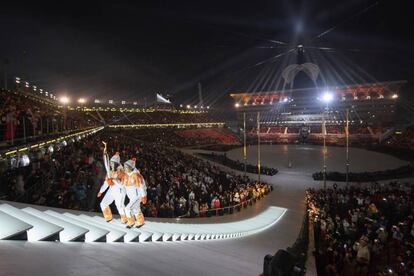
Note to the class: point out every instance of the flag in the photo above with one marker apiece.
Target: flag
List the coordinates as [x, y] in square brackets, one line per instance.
[161, 99]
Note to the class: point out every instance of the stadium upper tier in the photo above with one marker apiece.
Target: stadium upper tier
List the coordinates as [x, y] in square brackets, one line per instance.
[28, 116]
[367, 103]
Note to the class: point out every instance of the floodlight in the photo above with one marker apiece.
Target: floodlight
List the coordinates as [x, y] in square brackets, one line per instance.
[237, 105]
[64, 100]
[394, 96]
[81, 100]
[327, 97]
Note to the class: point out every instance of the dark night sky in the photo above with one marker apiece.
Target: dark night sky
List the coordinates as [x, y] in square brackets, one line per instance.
[128, 51]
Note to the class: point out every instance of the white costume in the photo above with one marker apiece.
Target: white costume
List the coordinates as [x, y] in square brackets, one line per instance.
[116, 190]
[136, 191]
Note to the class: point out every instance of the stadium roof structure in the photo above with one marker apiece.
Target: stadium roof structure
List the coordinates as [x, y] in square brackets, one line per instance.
[366, 91]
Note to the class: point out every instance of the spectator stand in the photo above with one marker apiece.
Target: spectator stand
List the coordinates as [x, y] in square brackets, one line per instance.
[366, 229]
[18, 156]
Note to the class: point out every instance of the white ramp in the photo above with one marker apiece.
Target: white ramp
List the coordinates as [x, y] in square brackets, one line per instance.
[42, 225]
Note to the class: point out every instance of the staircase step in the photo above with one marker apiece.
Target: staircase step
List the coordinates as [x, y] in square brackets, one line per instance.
[112, 235]
[12, 227]
[95, 234]
[70, 232]
[130, 236]
[42, 230]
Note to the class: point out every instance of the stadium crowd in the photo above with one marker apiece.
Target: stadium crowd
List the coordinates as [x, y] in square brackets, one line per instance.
[177, 184]
[364, 229]
[23, 116]
[156, 117]
[188, 137]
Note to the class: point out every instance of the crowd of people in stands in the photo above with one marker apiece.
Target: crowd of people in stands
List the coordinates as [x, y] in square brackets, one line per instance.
[23, 116]
[177, 184]
[188, 137]
[366, 229]
[156, 117]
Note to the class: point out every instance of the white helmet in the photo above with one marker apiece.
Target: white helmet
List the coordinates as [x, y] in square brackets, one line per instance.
[116, 158]
[130, 164]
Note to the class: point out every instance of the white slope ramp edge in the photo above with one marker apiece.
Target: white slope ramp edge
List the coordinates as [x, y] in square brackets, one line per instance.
[42, 223]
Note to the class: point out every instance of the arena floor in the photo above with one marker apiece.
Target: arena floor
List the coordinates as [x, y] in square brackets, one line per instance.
[308, 159]
[243, 256]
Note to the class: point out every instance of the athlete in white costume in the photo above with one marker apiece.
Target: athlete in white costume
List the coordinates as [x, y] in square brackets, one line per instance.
[136, 191]
[113, 182]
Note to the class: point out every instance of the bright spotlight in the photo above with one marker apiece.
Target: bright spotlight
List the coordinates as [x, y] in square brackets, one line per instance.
[81, 100]
[237, 105]
[188, 106]
[327, 97]
[64, 100]
[394, 96]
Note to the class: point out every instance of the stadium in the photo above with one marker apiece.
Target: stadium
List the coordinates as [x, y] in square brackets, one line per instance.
[221, 144]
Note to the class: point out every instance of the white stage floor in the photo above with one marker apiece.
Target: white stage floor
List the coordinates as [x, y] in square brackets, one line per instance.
[308, 158]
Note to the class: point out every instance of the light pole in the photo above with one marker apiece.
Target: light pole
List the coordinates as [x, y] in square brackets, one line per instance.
[244, 143]
[327, 97]
[258, 146]
[324, 148]
[347, 146]
[64, 100]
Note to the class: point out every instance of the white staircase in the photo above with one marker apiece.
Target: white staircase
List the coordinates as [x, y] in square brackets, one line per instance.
[24, 222]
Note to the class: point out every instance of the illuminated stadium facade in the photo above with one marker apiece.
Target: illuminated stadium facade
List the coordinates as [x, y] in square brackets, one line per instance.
[369, 103]
[292, 115]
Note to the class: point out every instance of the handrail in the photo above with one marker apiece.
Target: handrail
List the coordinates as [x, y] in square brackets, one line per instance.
[26, 147]
[43, 135]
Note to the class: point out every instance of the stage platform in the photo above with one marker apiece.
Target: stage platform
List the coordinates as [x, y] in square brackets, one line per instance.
[34, 223]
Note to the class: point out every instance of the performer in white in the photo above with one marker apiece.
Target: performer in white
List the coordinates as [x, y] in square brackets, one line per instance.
[137, 193]
[116, 191]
